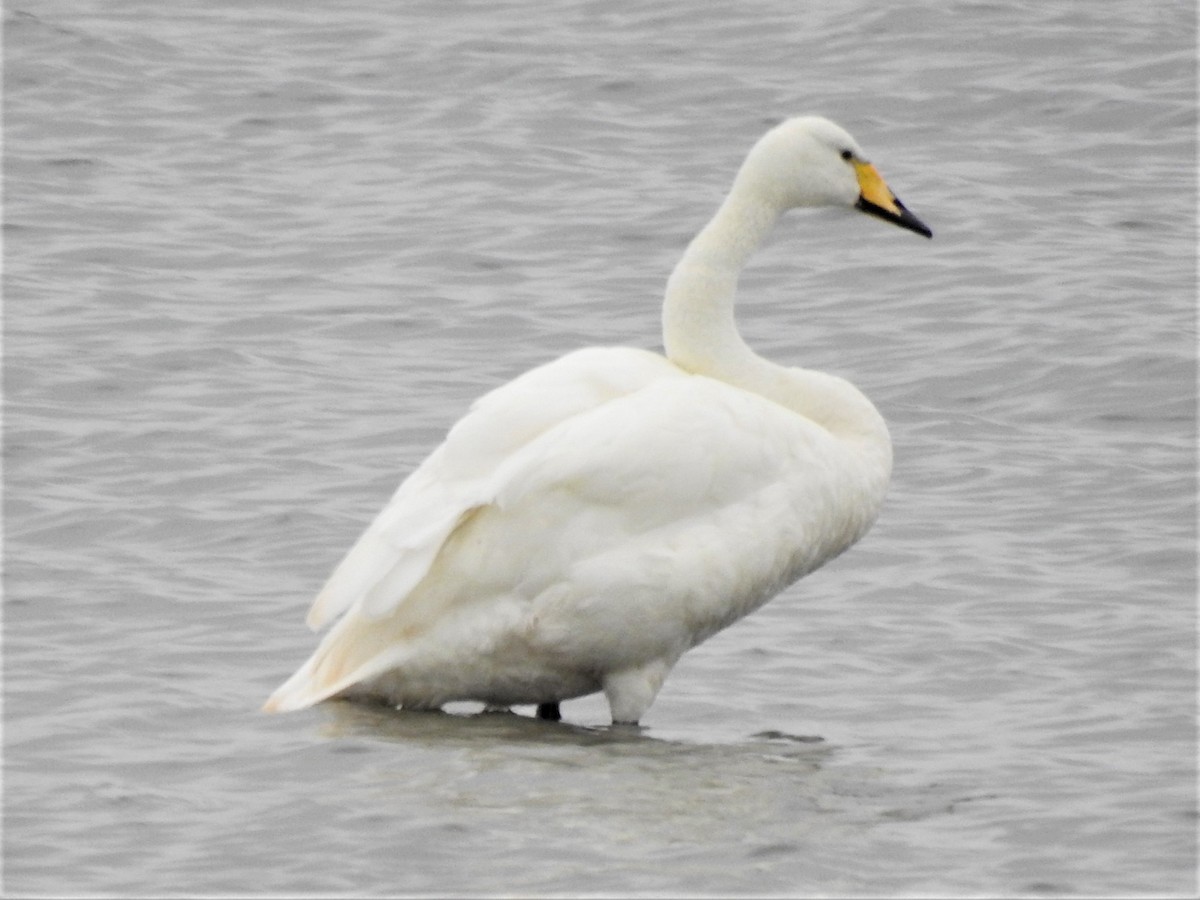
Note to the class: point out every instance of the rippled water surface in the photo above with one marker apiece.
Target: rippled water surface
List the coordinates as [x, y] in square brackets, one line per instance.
[259, 256]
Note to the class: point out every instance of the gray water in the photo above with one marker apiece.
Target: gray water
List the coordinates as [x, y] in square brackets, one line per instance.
[259, 256]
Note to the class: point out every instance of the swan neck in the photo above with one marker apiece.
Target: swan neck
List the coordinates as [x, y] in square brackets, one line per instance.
[699, 329]
[700, 332]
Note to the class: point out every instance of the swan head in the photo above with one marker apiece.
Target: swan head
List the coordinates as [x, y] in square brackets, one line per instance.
[811, 161]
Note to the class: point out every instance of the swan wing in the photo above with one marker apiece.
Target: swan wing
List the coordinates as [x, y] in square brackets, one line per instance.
[681, 464]
[397, 548]
[640, 529]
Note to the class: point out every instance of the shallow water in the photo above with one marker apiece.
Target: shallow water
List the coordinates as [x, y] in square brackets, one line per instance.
[258, 258]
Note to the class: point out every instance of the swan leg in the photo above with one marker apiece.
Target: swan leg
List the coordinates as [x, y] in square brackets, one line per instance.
[631, 691]
[549, 712]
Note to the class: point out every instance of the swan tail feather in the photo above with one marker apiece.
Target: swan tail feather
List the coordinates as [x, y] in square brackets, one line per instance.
[338, 664]
[383, 567]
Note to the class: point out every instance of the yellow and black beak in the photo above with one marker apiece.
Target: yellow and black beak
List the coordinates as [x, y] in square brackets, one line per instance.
[876, 198]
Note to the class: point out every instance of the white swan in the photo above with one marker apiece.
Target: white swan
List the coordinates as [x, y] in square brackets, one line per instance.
[587, 523]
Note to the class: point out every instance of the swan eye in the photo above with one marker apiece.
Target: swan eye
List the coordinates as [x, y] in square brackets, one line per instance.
[847, 155]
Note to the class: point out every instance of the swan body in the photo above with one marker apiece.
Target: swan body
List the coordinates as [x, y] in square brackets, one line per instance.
[584, 525]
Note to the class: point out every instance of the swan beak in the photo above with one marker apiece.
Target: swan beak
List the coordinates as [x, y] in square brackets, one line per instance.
[876, 198]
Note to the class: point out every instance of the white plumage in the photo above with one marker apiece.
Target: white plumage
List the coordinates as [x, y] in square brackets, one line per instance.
[588, 522]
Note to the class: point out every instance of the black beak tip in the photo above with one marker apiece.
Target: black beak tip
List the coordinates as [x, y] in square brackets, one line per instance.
[904, 219]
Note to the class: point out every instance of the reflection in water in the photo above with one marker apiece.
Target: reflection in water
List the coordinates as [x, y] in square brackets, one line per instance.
[346, 718]
[773, 800]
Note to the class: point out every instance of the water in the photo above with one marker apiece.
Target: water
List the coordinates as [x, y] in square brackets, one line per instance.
[259, 256]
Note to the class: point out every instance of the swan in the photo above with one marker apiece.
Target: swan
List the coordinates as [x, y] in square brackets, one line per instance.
[584, 525]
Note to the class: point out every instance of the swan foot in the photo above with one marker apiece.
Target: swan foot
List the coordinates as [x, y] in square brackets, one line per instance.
[549, 712]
